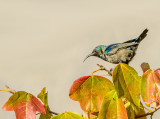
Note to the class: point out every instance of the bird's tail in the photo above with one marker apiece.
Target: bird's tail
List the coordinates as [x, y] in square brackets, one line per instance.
[139, 38]
[142, 36]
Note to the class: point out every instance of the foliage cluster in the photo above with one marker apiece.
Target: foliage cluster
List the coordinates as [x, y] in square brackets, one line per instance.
[127, 96]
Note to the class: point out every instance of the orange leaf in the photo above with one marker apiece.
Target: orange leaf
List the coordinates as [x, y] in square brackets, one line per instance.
[90, 91]
[24, 104]
[112, 107]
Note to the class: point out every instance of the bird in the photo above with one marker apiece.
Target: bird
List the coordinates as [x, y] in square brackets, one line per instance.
[118, 52]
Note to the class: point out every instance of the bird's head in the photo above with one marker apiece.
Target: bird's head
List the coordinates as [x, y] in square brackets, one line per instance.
[98, 52]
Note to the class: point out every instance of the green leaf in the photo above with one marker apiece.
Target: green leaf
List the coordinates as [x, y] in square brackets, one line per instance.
[90, 91]
[127, 83]
[48, 115]
[133, 111]
[130, 111]
[112, 107]
[68, 115]
[150, 86]
[43, 95]
[24, 104]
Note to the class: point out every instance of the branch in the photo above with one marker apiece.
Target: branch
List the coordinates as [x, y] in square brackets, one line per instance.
[55, 113]
[103, 68]
[149, 113]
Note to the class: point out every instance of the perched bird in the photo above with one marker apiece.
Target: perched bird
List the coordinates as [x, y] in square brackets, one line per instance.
[119, 52]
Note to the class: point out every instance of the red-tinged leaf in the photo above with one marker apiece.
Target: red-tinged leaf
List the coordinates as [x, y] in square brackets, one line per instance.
[112, 107]
[127, 83]
[24, 104]
[68, 115]
[90, 91]
[150, 86]
[43, 95]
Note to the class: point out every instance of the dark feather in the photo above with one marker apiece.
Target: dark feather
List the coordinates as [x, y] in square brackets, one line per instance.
[139, 38]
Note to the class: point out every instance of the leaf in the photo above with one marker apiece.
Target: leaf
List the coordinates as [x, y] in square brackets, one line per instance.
[88, 115]
[150, 86]
[67, 115]
[130, 111]
[24, 104]
[48, 115]
[90, 91]
[112, 107]
[43, 95]
[133, 111]
[127, 83]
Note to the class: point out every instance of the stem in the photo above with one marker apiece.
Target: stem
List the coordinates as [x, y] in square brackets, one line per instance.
[95, 71]
[55, 113]
[149, 113]
[103, 68]
[9, 90]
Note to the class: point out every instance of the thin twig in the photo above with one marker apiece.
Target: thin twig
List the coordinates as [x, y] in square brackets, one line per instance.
[55, 113]
[95, 71]
[103, 68]
[152, 116]
[149, 113]
[9, 90]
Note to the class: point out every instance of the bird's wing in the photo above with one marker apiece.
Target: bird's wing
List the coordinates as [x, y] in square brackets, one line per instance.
[112, 49]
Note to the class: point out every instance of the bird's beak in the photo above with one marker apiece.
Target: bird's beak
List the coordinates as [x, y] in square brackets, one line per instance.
[92, 54]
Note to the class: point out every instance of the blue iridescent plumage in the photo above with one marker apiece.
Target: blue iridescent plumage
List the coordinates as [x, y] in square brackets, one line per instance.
[110, 47]
[119, 52]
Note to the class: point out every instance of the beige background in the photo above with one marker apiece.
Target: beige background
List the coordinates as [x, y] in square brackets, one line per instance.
[43, 43]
